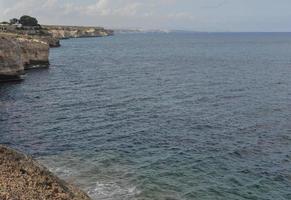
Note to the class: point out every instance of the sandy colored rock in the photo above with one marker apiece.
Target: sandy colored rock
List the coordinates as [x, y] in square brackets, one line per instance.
[34, 52]
[40, 34]
[77, 31]
[22, 178]
[19, 52]
[10, 59]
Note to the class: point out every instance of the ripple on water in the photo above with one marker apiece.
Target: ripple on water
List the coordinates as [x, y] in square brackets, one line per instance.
[160, 116]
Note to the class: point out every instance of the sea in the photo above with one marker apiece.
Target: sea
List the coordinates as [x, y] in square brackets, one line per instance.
[160, 116]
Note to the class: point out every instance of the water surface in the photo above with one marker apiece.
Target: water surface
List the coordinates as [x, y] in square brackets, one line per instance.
[160, 116]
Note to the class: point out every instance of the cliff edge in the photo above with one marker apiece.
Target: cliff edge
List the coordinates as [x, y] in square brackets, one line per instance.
[63, 32]
[25, 44]
[23, 178]
[11, 67]
[20, 52]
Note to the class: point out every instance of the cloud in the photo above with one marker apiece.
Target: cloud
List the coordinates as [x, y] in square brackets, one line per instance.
[48, 10]
[111, 8]
[204, 15]
[217, 5]
[19, 7]
[181, 16]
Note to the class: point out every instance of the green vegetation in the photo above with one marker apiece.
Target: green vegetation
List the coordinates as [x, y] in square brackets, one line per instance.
[26, 20]
[14, 21]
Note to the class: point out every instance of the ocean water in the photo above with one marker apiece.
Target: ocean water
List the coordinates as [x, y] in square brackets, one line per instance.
[160, 116]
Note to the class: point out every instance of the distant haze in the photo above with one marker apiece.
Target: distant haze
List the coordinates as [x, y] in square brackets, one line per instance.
[197, 15]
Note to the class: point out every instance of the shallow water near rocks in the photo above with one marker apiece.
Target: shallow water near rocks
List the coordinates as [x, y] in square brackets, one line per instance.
[160, 116]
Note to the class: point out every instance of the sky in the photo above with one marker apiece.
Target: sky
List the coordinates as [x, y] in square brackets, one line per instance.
[196, 15]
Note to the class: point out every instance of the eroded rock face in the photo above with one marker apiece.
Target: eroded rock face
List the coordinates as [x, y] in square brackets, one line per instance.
[23, 178]
[18, 53]
[41, 34]
[52, 41]
[34, 52]
[11, 66]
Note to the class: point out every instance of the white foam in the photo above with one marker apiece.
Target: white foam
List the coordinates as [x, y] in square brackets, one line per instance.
[113, 191]
[98, 187]
[63, 171]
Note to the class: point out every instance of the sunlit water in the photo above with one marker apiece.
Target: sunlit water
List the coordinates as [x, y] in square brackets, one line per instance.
[160, 116]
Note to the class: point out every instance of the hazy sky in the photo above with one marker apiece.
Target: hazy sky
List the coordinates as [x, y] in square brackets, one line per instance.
[199, 15]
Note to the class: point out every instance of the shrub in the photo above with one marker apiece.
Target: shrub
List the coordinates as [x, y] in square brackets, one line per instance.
[26, 20]
[14, 21]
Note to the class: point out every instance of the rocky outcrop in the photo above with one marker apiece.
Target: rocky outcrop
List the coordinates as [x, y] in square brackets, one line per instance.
[63, 32]
[22, 49]
[34, 52]
[11, 66]
[23, 178]
[40, 34]
[21, 52]
[52, 41]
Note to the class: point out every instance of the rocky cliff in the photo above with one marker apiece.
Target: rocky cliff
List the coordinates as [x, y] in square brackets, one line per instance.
[21, 52]
[77, 31]
[34, 52]
[52, 41]
[40, 34]
[25, 48]
[11, 66]
[23, 178]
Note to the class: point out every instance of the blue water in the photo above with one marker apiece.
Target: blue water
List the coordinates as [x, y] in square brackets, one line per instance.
[160, 116]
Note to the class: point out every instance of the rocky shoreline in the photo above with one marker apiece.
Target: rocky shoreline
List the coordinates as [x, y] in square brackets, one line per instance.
[28, 48]
[21, 49]
[21, 177]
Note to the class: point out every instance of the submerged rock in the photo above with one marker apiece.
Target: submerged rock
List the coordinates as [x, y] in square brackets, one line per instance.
[23, 178]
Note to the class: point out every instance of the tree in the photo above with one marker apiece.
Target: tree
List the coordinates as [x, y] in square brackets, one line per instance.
[26, 20]
[14, 21]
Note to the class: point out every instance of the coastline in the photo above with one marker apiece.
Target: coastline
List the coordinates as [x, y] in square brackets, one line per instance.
[22, 49]
[66, 32]
[21, 177]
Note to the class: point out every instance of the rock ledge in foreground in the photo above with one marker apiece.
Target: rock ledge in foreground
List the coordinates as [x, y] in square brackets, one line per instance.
[23, 178]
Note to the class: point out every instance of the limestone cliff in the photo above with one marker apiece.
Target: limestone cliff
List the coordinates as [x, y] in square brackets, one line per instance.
[23, 178]
[40, 34]
[34, 52]
[11, 66]
[22, 49]
[52, 41]
[21, 52]
[77, 31]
